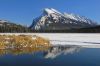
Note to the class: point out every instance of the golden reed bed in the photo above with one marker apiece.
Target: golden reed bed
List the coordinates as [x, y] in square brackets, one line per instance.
[22, 41]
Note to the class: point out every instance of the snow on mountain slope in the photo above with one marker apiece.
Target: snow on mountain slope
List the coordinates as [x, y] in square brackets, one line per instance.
[52, 19]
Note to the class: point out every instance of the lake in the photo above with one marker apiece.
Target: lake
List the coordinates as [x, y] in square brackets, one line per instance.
[57, 55]
[67, 50]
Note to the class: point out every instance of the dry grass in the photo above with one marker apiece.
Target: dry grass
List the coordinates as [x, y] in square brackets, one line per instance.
[22, 41]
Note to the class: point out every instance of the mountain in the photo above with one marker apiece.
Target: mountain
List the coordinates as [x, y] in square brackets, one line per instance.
[53, 20]
[7, 26]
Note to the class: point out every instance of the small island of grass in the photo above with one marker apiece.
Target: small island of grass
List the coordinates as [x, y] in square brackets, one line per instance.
[22, 42]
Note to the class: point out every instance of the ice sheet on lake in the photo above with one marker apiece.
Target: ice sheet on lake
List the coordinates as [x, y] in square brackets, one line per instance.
[82, 39]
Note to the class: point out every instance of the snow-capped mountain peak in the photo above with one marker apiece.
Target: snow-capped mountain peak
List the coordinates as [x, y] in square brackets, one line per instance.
[52, 19]
[55, 11]
[51, 11]
[48, 11]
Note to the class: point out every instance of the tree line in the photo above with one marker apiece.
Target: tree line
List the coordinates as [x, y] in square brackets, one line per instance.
[10, 27]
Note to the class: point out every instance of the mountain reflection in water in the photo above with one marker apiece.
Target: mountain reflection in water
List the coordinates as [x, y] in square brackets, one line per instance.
[47, 52]
[55, 51]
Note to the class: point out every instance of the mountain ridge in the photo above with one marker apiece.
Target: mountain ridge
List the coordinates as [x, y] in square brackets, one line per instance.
[52, 19]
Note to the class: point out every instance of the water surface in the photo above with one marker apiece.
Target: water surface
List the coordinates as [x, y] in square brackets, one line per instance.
[57, 55]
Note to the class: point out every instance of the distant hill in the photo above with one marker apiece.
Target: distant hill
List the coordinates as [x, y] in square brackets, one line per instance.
[9, 27]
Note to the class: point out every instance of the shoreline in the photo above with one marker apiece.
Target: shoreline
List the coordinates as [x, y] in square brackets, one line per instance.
[80, 39]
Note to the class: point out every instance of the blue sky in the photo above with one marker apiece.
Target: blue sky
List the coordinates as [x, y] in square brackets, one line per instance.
[23, 11]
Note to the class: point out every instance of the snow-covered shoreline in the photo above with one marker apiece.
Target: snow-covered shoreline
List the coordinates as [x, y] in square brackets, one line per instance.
[81, 39]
